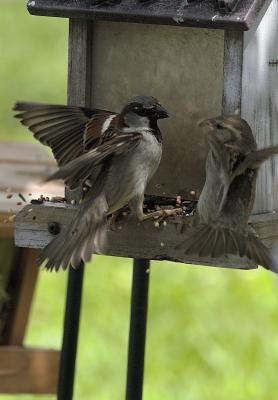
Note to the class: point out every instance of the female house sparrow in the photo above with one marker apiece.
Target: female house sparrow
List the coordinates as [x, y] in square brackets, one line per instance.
[228, 195]
[115, 155]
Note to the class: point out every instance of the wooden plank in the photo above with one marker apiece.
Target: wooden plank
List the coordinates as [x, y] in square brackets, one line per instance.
[7, 257]
[19, 152]
[23, 281]
[259, 101]
[174, 12]
[28, 370]
[80, 62]
[233, 64]
[192, 77]
[131, 238]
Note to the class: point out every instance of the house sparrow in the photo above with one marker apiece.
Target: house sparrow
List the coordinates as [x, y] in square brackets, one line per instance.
[114, 155]
[221, 222]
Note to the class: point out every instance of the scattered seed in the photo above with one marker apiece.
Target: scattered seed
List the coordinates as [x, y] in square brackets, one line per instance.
[20, 195]
[156, 224]
[192, 192]
[120, 228]
[30, 194]
[11, 218]
[19, 203]
[124, 213]
[31, 209]
[73, 202]
[164, 223]
[162, 244]
[85, 189]
[9, 195]
[147, 271]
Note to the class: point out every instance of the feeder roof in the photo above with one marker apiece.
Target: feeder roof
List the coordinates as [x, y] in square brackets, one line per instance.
[195, 13]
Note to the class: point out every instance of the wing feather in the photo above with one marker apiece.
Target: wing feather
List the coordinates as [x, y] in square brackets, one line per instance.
[79, 169]
[68, 130]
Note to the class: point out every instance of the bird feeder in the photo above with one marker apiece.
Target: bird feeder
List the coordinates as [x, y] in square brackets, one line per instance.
[200, 59]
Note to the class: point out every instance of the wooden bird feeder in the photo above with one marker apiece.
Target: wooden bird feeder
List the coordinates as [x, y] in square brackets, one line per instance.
[199, 62]
[200, 59]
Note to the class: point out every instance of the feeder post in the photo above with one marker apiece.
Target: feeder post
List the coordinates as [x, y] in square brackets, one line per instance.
[79, 93]
[137, 332]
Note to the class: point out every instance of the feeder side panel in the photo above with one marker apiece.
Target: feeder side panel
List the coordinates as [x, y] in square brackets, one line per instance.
[183, 68]
[260, 101]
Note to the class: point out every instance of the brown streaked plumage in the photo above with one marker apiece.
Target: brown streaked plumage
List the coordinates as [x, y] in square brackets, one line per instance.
[116, 153]
[221, 222]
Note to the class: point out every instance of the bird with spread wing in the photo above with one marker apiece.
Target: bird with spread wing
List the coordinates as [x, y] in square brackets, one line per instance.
[113, 155]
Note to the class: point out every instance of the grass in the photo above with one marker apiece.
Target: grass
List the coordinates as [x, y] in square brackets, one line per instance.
[212, 333]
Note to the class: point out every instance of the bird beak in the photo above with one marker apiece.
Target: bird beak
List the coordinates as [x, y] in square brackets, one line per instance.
[161, 112]
[206, 123]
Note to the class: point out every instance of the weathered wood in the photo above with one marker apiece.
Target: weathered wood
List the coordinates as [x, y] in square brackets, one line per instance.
[131, 238]
[28, 370]
[232, 82]
[80, 62]
[259, 102]
[174, 12]
[183, 68]
[7, 257]
[23, 166]
[21, 290]
[79, 93]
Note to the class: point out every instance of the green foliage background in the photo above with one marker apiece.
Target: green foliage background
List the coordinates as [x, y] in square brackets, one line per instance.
[212, 333]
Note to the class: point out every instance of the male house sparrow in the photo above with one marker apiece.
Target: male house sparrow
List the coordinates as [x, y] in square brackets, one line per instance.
[228, 195]
[115, 155]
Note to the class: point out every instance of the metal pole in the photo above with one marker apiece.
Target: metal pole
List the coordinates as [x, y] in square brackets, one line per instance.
[137, 331]
[70, 336]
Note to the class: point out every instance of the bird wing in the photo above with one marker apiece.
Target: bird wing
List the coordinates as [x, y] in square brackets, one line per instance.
[114, 142]
[67, 130]
[254, 159]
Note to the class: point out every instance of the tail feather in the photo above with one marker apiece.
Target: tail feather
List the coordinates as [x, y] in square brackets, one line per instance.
[76, 244]
[217, 241]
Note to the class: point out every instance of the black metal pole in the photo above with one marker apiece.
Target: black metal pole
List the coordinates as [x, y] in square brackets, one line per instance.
[137, 331]
[70, 337]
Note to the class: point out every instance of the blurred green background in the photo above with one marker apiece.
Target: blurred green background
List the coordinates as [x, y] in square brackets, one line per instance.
[212, 333]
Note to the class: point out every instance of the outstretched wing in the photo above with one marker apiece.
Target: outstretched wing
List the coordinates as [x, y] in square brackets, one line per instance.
[67, 130]
[113, 143]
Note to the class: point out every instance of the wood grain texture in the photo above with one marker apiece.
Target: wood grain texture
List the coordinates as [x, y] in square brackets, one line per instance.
[24, 278]
[80, 60]
[233, 64]
[28, 370]
[260, 101]
[131, 238]
[183, 68]
[164, 12]
[79, 71]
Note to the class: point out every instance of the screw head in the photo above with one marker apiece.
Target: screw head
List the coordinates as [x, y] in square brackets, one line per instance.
[54, 228]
